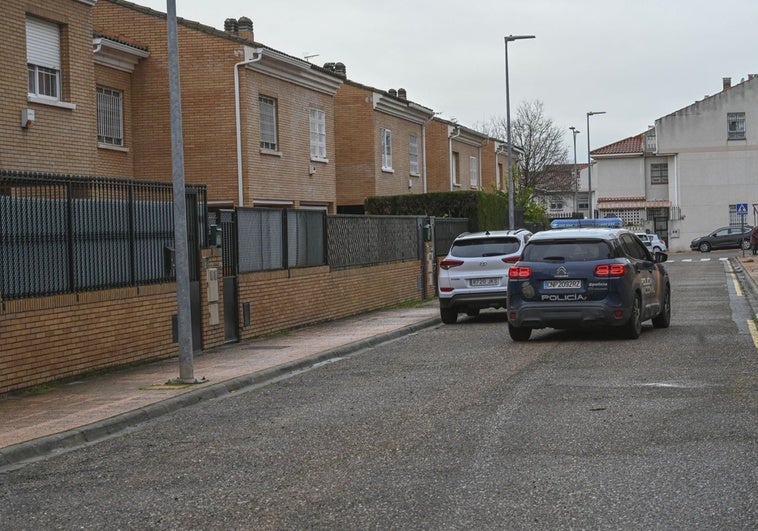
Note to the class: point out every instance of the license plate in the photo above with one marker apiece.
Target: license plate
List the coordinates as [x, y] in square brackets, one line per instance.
[485, 281]
[563, 284]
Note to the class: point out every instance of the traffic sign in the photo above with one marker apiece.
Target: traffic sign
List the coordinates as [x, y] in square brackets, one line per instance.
[742, 209]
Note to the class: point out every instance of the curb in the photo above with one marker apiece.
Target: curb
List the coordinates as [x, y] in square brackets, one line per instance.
[18, 455]
[748, 284]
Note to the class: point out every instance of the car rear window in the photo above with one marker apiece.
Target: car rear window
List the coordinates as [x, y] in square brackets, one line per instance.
[566, 251]
[489, 247]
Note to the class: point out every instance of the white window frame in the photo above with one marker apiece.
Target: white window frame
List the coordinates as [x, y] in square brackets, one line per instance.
[659, 173]
[413, 155]
[317, 121]
[110, 117]
[556, 202]
[386, 150]
[43, 58]
[473, 169]
[267, 121]
[735, 125]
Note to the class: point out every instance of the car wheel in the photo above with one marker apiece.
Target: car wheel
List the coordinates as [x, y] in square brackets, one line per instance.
[663, 319]
[745, 245]
[449, 315]
[473, 313]
[519, 333]
[633, 327]
[704, 247]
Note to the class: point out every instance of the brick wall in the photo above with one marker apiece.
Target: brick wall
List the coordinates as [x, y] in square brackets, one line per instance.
[437, 157]
[52, 338]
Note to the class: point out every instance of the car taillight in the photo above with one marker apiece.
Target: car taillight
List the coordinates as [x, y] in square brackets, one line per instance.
[511, 259]
[519, 272]
[448, 263]
[610, 270]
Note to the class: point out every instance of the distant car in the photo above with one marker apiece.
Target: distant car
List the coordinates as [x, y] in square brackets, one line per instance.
[652, 242]
[474, 274]
[587, 277]
[733, 237]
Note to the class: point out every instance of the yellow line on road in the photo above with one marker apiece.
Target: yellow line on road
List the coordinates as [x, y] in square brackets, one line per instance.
[733, 275]
[753, 331]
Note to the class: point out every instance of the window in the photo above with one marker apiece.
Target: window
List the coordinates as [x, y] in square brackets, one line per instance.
[736, 125]
[110, 129]
[413, 152]
[659, 174]
[556, 203]
[268, 122]
[318, 134]
[386, 150]
[583, 202]
[473, 168]
[456, 169]
[43, 58]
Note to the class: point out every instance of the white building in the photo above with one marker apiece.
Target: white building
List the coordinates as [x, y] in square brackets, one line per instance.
[686, 175]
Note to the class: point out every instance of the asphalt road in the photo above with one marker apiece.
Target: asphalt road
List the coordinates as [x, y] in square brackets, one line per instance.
[454, 427]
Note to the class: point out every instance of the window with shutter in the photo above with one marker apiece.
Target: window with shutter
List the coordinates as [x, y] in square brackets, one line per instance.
[43, 58]
[268, 123]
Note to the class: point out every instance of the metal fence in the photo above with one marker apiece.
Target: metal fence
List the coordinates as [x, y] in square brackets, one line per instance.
[356, 241]
[445, 231]
[66, 234]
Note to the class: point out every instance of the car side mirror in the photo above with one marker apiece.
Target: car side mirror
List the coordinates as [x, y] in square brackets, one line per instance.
[660, 257]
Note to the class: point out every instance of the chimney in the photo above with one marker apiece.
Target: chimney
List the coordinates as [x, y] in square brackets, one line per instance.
[402, 94]
[230, 26]
[727, 81]
[340, 69]
[329, 67]
[392, 92]
[246, 28]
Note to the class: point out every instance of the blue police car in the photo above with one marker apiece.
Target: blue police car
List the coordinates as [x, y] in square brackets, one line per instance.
[587, 273]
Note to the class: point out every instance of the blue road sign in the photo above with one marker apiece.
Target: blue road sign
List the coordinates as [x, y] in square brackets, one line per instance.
[742, 209]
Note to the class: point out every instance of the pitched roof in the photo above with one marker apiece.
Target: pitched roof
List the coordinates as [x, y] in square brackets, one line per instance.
[628, 146]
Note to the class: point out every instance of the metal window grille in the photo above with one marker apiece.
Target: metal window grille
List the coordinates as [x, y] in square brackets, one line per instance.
[386, 149]
[473, 167]
[736, 125]
[110, 116]
[44, 81]
[268, 122]
[659, 174]
[318, 134]
[413, 151]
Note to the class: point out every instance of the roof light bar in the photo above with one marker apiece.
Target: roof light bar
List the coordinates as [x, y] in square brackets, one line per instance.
[606, 223]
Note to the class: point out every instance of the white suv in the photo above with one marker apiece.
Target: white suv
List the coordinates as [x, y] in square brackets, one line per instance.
[474, 274]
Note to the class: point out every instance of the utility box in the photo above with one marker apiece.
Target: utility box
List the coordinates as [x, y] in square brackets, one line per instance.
[212, 278]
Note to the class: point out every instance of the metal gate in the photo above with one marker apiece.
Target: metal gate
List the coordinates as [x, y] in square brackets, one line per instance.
[229, 254]
[195, 228]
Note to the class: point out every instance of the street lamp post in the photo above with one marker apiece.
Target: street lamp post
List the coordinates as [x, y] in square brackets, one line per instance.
[511, 207]
[574, 132]
[589, 161]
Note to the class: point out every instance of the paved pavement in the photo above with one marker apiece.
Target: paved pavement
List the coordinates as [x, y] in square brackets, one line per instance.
[37, 424]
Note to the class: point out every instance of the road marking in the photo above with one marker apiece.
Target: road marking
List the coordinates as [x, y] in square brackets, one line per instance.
[753, 331]
[733, 276]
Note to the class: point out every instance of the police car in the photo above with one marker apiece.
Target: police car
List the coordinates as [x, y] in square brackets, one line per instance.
[587, 273]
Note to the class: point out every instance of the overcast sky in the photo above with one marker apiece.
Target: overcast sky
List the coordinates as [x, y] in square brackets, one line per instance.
[636, 60]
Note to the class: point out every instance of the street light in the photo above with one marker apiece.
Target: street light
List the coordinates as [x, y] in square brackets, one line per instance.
[511, 218]
[575, 132]
[589, 161]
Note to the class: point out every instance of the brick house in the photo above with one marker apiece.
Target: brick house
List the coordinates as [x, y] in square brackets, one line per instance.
[280, 109]
[380, 143]
[56, 73]
[460, 158]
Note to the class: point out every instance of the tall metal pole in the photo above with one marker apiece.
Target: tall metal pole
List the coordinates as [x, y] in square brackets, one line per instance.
[184, 319]
[511, 207]
[589, 162]
[574, 132]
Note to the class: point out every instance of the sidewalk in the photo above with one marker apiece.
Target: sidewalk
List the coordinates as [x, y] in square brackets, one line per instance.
[67, 416]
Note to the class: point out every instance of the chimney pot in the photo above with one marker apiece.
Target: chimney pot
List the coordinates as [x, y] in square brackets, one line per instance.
[245, 27]
[340, 69]
[402, 94]
[230, 25]
[392, 92]
[727, 81]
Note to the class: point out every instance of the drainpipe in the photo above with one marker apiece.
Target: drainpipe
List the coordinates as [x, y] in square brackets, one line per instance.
[259, 52]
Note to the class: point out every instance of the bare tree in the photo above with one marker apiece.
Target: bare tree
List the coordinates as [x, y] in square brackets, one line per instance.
[542, 143]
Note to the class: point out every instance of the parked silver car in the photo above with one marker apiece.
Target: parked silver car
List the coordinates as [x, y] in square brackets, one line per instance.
[652, 242]
[474, 274]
